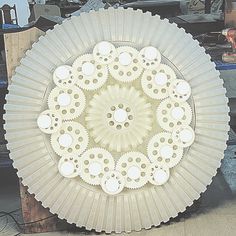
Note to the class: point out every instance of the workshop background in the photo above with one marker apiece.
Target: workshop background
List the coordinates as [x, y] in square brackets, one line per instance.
[215, 212]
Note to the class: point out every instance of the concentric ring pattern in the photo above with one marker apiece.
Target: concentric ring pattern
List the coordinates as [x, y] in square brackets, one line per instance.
[141, 185]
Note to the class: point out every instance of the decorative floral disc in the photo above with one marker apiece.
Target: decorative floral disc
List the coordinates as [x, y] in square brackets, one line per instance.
[119, 118]
[113, 124]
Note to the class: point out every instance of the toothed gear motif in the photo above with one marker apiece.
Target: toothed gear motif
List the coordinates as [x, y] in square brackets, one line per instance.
[172, 114]
[179, 90]
[155, 83]
[163, 150]
[68, 166]
[112, 182]
[158, 174]
[71, 138]
[49, 121]
[119, 118]
[93, 207]
[95, 163]
[104, 52]
[64, 76]
[69, 103]
[149, 57]
[183, 136]
[133, 167]
[91, 75]
[125, 67]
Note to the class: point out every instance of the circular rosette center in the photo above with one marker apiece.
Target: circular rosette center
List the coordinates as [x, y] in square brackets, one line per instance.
[119, 118]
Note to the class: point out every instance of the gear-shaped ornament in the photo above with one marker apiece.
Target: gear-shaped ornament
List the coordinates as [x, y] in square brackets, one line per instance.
[112, 182]
[90, 74]
[68, 166]
[125, 67]
[64, 76]
[71, 138]
[149, 57]
[49, 121]
[179, 90]
[104, 52]
[171, 115]
[183, 136]
[95, 162]
[133, 167]
[156, 82]
[69, 103]
[89, 130]
[163, 150]
[158, 174]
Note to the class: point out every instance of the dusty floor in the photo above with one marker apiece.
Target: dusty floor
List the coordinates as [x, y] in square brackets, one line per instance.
[214, 214]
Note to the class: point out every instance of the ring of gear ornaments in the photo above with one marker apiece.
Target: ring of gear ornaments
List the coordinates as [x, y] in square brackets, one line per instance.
[70, 139]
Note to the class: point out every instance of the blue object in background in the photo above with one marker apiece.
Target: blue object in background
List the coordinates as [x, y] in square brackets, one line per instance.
[10, 26]
[3, 83]
[225, 66]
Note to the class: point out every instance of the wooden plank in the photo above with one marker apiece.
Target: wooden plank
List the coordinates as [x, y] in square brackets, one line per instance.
[16, 44]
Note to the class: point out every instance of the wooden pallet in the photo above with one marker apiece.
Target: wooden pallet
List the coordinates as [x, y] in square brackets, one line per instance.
[16, 44]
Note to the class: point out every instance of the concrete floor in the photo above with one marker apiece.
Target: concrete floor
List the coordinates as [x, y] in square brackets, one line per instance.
[214, 214]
